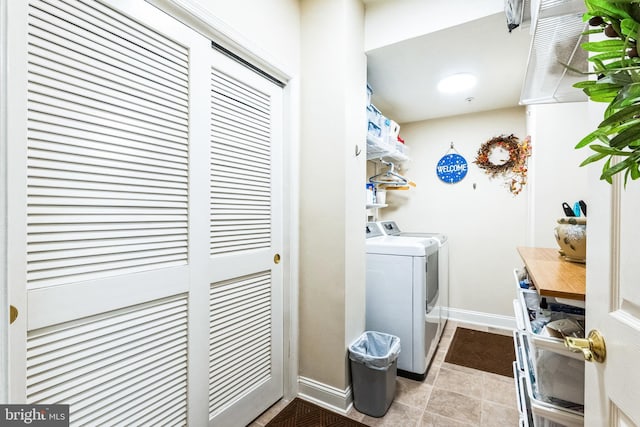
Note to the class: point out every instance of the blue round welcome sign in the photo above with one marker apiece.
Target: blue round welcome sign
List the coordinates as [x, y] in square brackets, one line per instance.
[452, 168]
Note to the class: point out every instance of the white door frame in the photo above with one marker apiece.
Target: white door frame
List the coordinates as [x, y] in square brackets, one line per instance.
[210, 26]
[4, 303]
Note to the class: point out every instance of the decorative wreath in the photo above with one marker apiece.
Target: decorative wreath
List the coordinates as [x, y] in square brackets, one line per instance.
[514, 169]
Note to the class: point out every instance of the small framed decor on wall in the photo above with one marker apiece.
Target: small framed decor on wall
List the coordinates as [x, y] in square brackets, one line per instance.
[452, 167]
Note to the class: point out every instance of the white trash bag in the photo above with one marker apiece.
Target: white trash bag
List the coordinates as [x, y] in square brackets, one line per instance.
[375, 350]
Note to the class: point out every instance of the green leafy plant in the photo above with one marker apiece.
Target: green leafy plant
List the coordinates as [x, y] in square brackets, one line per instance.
[617, 66]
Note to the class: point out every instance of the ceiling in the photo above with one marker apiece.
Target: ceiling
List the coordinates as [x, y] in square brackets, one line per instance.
[404, 75]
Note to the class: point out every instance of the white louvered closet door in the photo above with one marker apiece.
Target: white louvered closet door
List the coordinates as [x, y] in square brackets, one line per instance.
[245, 236]
[109, 188]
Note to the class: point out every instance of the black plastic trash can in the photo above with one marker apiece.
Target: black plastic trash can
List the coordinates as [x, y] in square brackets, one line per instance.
[374, 364]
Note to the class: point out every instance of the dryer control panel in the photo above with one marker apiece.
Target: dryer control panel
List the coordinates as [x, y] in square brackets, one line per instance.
[373, 230]
[390, 228]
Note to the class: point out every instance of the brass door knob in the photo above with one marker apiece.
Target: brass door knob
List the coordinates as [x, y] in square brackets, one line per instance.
[13, 314]
[276, 259]
[592, 347]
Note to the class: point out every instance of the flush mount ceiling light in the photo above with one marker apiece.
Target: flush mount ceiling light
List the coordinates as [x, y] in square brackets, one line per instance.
[457, 83]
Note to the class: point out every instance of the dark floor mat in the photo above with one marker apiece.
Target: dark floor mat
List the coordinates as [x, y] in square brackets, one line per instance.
[482, 350]
[300, 413]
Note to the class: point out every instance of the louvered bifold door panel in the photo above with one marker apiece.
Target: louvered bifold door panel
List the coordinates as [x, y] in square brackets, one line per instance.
[240, 166]
[245, 161]
[107, 145]
[128, 367]
[107, 169]
[240, 356]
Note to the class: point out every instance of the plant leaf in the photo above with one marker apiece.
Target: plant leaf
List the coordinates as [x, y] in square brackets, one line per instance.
[601, 95]
[606, 166]
[624, 63]
[593, 158]
[629, 27]
[635, 171]
[604, 46]
[621, 116]
[608, 151]
[590, 138]
[635, 144]
[632, 9]
[585, 83]
[610, 110]
[629, 95]
[619, 167]
[626, 137]
[604, 87]
[604, 56]
[593, 31]
[626, 176]
[606, 8]
[599, 66]
[618, 129]
[619, 76]
[618, 135]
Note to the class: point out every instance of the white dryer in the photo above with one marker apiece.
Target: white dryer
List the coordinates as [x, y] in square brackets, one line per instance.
[441, 299]
[400, 271]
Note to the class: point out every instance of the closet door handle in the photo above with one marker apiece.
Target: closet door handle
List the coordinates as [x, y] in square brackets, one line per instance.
[276, 259]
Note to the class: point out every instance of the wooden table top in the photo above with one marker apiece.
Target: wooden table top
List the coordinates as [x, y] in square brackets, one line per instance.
[553, 275]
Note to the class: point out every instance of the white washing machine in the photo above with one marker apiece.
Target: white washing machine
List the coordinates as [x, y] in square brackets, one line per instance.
[401, 273]
[441, 303]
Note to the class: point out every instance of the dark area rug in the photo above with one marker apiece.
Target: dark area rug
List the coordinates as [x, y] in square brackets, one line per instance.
[482, 350]
[300, 413]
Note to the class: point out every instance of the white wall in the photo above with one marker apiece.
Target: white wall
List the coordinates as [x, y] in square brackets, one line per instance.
[270, 28]
[332, 250]
[484, 225]
[554, 169]
[389, 22]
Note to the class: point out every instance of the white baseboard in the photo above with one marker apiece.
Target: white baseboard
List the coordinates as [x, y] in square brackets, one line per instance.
[484, 319]
[328, 397]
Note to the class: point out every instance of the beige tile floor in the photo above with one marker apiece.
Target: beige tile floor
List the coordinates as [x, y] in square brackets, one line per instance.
[450, 396]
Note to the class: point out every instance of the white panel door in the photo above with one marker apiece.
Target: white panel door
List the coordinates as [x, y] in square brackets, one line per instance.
[245, 238]
[613, 303]
[613, 297]
[144, 213]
